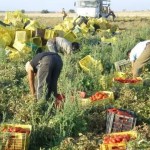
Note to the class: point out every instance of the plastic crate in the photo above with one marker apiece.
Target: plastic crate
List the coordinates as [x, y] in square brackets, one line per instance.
[36, 40]
[119, 74]
[70, 36]
[104, 100]
[124, 82]
[15, 140]
[116, 146]
[123, 65]
[88, 102]
[88, 63]
[120, 146]
[119, 123]
[22, 36]
[40, 32]
[49, 34]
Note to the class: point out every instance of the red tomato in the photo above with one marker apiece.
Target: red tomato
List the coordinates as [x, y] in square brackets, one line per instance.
[99, 96]
[25, 131]
[82, 94]
[4, 129]
[105, 95]
[114, 110]
[93, 98]
[113, 140]
[128, 137]
[118, 140]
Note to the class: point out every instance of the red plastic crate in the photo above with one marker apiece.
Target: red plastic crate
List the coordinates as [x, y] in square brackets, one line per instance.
[118, 123]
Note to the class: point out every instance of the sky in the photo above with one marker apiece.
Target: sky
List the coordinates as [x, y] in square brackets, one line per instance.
[57, 5]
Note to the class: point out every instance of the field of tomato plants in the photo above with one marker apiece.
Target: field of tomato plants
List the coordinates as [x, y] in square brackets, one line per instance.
[77, 127]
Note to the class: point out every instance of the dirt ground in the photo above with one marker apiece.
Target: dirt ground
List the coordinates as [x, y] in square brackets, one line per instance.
[119, 14]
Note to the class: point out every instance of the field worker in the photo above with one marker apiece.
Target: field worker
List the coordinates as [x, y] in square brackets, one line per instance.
[139, 56]
[61, 45]
[46, 66]
[64, 13]
[111, 13]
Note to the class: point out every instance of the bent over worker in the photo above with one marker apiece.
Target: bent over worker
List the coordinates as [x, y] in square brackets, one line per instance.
[139, 56]
[61, 45]
[46, 66]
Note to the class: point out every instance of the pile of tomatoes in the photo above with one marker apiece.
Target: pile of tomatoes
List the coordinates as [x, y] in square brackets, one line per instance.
[15, 129]
[127, 80]
[99, 96]
[118, 138]
[119, 112]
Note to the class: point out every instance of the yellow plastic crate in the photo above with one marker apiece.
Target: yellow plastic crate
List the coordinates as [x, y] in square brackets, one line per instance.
[122, 145]
[88, 102]
[22, 36]
[120, 74]
[139, 83]
[15, 140]
[36, 40]
[70, 36]
[88, 63]
[49, 34]
[105, 100]
[84, 28]
[59, 33]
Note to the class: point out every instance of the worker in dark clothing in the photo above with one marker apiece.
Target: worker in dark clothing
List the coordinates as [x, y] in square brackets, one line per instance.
[46, 66]
[111, 13]
[64, 13]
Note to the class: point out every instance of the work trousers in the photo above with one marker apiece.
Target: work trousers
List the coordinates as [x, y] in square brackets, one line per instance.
[47, 75]
[141, 61]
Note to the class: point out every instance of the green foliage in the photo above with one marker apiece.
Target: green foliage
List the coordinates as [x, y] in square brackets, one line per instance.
[52, 126]
[2, 55]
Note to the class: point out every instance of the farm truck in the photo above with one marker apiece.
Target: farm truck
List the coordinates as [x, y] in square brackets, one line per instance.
[92, 8]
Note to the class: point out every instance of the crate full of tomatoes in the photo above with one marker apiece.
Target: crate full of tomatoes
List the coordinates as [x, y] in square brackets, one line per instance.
[117, 141]
[14, 136]
[128, 81]
[101, 97]
[119, 120]
[97, 98]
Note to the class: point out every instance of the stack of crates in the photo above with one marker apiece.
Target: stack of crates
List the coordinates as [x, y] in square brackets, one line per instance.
[123, 65]
[119, 122]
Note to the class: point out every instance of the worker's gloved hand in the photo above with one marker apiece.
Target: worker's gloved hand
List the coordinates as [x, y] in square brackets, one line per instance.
[60, 98]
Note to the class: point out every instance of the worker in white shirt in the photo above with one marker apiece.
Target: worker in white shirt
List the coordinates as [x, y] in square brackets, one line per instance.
[139, 57]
